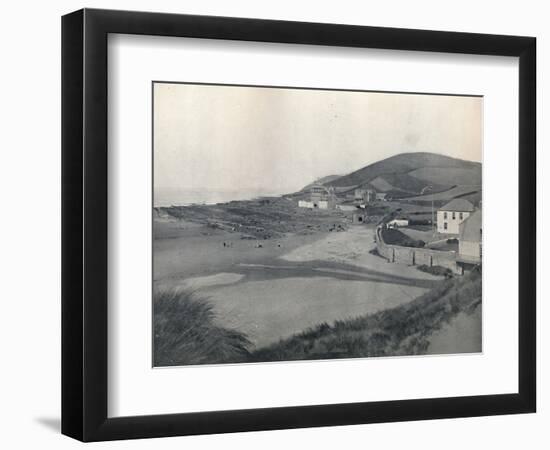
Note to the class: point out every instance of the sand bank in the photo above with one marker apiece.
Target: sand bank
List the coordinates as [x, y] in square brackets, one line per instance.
[353, 247]
[273, 309]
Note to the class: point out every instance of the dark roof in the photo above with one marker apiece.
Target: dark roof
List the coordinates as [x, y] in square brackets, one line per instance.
[470, 229]
[458, 204]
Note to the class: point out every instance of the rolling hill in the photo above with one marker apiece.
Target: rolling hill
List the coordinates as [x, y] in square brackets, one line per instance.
[407, 174]
[404, 163]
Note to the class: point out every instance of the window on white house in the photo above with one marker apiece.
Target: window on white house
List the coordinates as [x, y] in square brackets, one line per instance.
[445, 215]
[444, 225]
[454, 217]
[460, 216]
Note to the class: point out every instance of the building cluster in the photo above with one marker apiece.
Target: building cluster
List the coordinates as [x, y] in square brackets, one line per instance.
[458, 219]
[320, 196]
[365, 195]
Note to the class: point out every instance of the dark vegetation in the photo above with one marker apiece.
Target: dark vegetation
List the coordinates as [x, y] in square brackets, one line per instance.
[420, 222]
[436, 270]
[404, 330]
[186, 333]
[419, 227]
[393, 236]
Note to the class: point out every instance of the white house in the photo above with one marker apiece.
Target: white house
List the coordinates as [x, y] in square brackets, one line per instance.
[451, 215]
[469, 241]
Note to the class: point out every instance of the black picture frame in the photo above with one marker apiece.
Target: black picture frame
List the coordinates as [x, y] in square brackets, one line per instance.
[84, 224]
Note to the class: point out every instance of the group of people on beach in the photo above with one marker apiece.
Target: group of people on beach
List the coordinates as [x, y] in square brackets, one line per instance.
[258, 245]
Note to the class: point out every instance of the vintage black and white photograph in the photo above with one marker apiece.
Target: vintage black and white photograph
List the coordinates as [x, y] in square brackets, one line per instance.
[307, 224]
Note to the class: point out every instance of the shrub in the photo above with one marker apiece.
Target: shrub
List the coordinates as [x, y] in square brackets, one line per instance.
[393, 236]
[436, 270]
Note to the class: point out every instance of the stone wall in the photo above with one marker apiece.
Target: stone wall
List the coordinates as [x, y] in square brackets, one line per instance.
[416, 256]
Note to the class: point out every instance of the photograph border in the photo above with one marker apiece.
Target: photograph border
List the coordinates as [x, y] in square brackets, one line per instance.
[260, 86]
[85, 232]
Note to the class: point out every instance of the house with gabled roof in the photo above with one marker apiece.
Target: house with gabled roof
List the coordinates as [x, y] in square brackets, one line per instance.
[469, 241]
[451, 215]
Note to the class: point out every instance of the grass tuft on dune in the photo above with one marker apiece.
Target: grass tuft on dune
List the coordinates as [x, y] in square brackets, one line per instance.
[185, 332]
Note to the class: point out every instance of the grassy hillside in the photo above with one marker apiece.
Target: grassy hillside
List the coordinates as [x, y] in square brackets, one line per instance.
[458, 191]
[404, 330]
[404, 183]
[402, 163]
[448, 175]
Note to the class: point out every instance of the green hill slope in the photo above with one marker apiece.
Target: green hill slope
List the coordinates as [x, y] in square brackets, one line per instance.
[406, 163]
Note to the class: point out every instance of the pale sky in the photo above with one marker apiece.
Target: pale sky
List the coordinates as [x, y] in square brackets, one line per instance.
[223, 138]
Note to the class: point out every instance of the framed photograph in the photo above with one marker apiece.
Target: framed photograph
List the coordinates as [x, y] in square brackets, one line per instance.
[273, 224]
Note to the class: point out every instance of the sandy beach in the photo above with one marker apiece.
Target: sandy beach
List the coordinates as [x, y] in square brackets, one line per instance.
[271, 289]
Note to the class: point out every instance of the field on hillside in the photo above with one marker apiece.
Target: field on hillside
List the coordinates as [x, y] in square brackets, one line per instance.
[448, 175]
[457, 191]
[403, 184]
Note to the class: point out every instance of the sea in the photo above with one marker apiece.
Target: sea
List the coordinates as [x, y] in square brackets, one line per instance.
[177, 197]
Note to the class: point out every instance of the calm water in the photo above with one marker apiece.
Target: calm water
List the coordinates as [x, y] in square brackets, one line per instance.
[172, 197]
